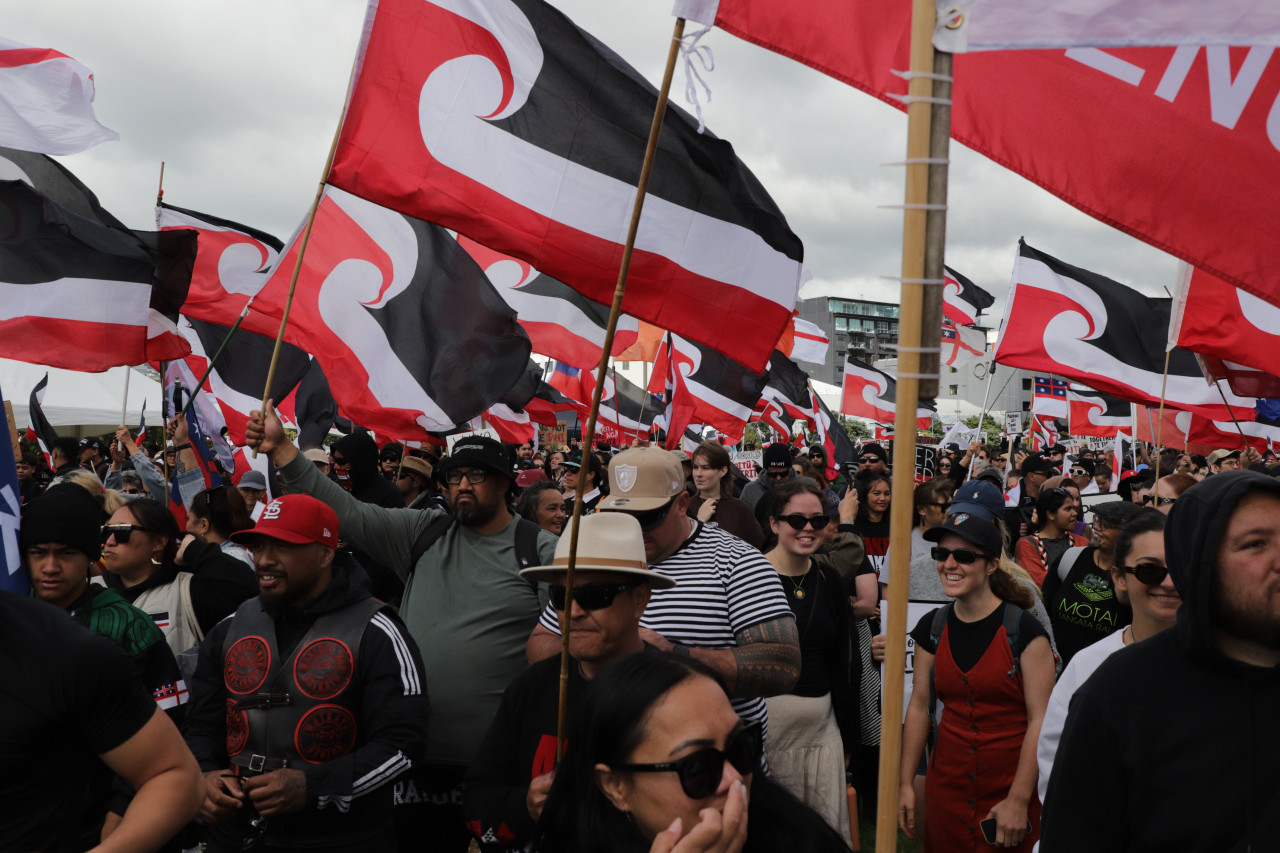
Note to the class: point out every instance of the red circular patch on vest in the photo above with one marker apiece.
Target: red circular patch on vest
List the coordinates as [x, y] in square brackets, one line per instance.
[324, 733]
[245, 664]
[323, 668]
[237, 729]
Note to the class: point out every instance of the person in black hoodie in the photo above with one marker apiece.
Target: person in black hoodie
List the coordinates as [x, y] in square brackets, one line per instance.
[309, 702]
[356, 468]
[1171, 744]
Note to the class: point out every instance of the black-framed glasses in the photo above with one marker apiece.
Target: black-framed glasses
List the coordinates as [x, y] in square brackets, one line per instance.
[962, 556]
[590, 596]
[122, 532]
[1148, 574]
[700, 772]
[652, 519]
[798, 521]
[475, 475]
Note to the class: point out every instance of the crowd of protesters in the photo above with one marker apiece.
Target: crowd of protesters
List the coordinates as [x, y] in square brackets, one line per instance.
[354, 647]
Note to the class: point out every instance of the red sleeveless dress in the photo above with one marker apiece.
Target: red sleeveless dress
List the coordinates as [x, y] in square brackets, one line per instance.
[984, 720]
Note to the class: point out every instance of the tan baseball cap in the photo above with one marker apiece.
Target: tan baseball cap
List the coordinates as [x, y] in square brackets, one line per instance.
[643, 478]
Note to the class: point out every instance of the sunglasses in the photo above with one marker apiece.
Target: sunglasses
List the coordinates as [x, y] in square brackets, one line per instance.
[590, 596]
[798, 521]
[475, 475]
[1148, 574]
[962, 556]
[778, 475]
[865, 459]
[122, 532]
[700, 772]
[1078, 472]
[652, 519]
[1148, 500]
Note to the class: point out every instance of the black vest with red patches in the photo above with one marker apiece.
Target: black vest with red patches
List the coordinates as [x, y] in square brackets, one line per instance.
[299, 711]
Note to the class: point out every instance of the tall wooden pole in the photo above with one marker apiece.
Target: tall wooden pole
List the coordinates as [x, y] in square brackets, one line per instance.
[589, 431]
[910, 348]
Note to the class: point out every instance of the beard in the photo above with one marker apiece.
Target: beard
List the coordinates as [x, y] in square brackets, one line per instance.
[1245, 616]
[474, 513]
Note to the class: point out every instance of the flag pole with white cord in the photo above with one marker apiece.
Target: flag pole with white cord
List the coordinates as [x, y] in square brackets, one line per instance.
[588, 435]
[982, 415]
[917, 204]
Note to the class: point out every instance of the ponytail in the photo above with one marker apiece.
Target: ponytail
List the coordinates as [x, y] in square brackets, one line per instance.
[1008, 589]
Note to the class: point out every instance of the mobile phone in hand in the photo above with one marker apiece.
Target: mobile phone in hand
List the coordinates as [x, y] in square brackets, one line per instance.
[988, 828]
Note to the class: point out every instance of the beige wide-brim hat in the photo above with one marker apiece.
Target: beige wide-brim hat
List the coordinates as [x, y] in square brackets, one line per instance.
[413, 463]
[607, 542]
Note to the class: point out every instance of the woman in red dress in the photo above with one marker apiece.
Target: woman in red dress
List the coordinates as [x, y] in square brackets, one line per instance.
[991, 667]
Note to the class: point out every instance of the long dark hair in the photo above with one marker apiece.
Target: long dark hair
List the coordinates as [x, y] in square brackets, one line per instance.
[224, 508]
[864, 482]
[607, 726]
[155, 518]
[531, 497]
[1049, 502]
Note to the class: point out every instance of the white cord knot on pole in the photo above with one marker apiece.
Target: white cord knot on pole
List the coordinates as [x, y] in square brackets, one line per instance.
[690, 48]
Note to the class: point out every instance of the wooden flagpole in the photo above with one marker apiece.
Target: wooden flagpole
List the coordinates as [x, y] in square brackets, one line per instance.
[1244, 441]
[588, 435]
[164, 420]
[910, 349]
[1159, 434]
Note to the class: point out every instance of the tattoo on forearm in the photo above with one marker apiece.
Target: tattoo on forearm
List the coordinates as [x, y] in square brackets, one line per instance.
[767, 658]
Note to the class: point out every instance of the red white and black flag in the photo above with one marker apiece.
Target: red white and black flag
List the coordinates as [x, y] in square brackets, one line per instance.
[411, 335]
[786, 396]
[1093, 413]
[1066, 320]
[871, 393]
[449, 97]
[46, 101]
[1235, 334]
[719, 391]
[962, 300]
[39, 429]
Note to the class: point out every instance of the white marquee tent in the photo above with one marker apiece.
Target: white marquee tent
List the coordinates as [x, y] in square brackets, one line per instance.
[81, 404]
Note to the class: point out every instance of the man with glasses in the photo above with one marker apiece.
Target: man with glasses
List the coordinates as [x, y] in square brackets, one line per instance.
[1079, 592]
[1222, 460]
[728, 608]
[308, 702]
[1081, 473]
[463, 602]
[509, 779]
[872, 459]
[573, 470]
[1170, 744]
[776, 468]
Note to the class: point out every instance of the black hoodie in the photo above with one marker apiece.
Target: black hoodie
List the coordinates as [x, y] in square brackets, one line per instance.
[1171, 745]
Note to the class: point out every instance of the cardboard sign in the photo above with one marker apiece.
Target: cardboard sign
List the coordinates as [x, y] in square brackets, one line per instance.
[926, 462]
[451, 440]
[1012, 423]
[555, 436]
[746, 461]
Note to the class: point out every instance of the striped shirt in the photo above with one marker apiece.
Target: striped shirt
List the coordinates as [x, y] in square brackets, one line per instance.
[723, 586]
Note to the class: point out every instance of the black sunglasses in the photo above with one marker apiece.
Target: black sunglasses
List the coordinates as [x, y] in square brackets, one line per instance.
[798, 521]
[1148, 574]
[865, 459]
[963, 556]
[1148, 500]
[652, 519]
[590, 596]
[700, 772]
[122, 532]
[778, 475]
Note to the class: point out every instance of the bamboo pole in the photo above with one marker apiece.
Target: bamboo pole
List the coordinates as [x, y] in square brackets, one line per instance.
[588, 435]
[1159, 435]
[910, 337]
[1243, 441]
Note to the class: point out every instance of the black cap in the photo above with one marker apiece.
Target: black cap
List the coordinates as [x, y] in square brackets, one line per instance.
[777, 455]
[1037, 464]
[574, 460]
[875, 450]
[1085, 464]
[92, 441]
[478, 451]
[972, 529]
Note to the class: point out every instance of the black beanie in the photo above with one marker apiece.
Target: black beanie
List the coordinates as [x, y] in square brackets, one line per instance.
[66, 514]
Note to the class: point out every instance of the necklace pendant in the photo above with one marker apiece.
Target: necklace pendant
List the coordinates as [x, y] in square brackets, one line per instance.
[799, 592]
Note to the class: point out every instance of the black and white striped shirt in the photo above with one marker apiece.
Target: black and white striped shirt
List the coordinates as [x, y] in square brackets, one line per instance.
[723, 586]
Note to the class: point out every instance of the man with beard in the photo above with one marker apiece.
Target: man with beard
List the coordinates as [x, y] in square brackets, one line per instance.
[1170, 744]
[464, 603]
[309, 701]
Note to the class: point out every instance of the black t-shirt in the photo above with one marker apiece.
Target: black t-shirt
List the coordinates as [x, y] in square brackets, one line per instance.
[875, 538]
[1083, 609]
[968, 641]
[818, 634]
[66, 696]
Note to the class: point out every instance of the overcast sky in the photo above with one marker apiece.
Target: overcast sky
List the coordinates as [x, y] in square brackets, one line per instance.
[241, 100]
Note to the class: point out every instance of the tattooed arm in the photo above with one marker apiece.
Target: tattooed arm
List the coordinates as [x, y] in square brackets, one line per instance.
[765, 663]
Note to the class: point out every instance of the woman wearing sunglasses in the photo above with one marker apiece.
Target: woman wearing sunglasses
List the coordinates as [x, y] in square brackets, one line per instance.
[1139, 573]
[145, 565]
[715, 501]
[814, 727]
[989, 664]
[659, 760]
[1051, 535]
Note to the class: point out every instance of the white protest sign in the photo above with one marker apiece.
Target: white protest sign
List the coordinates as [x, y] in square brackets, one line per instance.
[746, 461]
[451, 440]
[1012, 423]
[915, 612]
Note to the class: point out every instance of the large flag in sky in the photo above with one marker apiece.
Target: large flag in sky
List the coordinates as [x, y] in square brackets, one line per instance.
[1066, 320]
[1049, 397]
[808, 342]
[13, 574]
[961, 344]
[1232, 330]
[562, 324]
[502, 120]
[411, 335]
[962, 300]
[1169, 144]
[871, 393]
[46, 101]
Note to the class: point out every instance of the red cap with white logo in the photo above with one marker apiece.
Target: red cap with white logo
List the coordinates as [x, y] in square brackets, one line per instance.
[299, 519]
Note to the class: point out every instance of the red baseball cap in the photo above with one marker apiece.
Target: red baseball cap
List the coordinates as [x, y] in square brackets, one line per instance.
[299, 519]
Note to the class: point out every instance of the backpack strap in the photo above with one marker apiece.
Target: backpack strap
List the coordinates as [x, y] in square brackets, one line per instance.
[527, 543]
[1012, 627]
[1068, 560]
[935, 636]
[433, 531]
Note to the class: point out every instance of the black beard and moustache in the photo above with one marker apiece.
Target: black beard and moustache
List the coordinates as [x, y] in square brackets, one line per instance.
[475, 513]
